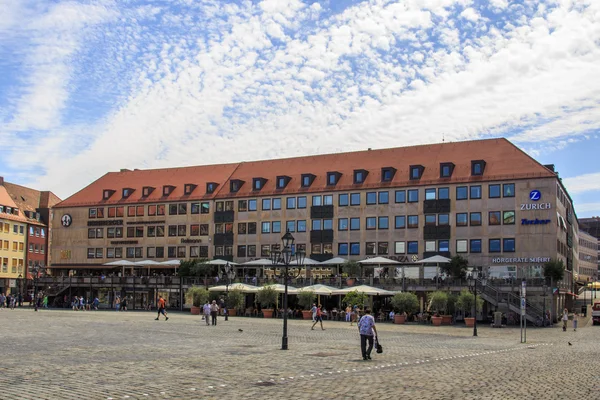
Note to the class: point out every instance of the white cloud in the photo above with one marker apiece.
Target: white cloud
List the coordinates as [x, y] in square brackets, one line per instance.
[583, 183]
[470, 14]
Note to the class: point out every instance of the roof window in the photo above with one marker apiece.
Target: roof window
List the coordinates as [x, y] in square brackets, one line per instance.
[387, 174]
[188, 188]
[282, 181]
[307, 180]
[127, 192]
[416, 172]
[167, 190]
[235, 185]
[360, 175]
[107, 193]
[211, 187]
[446, 169]
[333, 178]
[147, 191]
[477, 167]
[258, 183]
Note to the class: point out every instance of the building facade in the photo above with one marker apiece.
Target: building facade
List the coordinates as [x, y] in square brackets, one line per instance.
[592, 227]
[485, 200]
[587, 269]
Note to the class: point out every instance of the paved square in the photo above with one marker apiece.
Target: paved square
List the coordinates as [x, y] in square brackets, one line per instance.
[105, 354]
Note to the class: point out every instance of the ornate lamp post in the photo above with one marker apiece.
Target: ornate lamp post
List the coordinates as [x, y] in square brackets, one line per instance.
[36, 269]
[20, 283]
[476, 276]
[227, 272]
[284, 257]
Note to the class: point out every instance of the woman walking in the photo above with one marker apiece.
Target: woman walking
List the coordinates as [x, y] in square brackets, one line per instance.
[318, 319]
[565, 319]
[575, 315]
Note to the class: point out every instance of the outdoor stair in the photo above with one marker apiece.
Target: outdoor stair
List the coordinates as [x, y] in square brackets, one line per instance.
[493, 296]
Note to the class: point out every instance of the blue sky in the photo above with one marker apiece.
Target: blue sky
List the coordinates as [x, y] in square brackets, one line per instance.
[88, 87]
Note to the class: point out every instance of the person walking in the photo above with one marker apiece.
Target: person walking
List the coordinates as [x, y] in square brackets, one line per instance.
[161, 308]
[367, 330]
[565, 319]
[206, 311]
[348, 313]
[214, 311]
[314, 312]
[45, 302]
[575, 317]
[124, 304]
[318, 318]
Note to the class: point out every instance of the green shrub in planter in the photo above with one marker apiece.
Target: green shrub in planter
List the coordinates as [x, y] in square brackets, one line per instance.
[235, 299]
[267, 297]
[198, 295]
[438, 302]
[405, 303]
[466, 301]
[306, 298]
[355, 298]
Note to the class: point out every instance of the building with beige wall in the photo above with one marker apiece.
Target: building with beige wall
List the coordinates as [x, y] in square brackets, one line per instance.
[587, 268]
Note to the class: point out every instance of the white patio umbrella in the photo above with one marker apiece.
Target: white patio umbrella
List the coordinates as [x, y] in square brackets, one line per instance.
[245, 288]
[279, 288]
[319, 289]
[368, 290]
[260, 261]
[437, 260]
[377, 261]
[334, 261]
[146, 263]
[120, 263]
[171, 262]
[221, 262]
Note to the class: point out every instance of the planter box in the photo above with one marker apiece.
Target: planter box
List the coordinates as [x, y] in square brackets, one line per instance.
[437, 321]
[470, 322]
[350, 281]
[399, 319]
[232, 312]
[306, 314]
[267, 313]
[446, 319]
[195, 310]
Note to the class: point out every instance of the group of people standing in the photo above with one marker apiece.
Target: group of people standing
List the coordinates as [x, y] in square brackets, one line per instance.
[80, 303]
[211, 310]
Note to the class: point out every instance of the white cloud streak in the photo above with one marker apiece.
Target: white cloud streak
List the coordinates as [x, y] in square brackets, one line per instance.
[583, 183]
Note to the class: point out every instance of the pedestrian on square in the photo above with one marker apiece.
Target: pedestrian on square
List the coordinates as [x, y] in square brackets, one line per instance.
[118, 303]
[348, 313]
[81, 303]
[74, 303]
[2, 300]
[318, 318]
[367, 330]
[96, 303]
[124, 304]
[565, 319]
[45, 302]
[206, 311]
[214, 311]
[314, 312]
[161, 308]
[575, 317]
[13, 301]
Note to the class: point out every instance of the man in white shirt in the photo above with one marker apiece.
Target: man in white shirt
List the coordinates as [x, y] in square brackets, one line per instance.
[206, 311]
[214, 311]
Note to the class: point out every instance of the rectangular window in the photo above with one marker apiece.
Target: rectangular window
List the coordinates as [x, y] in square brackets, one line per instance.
[430, 246]
[383, 197]
[160, 210]
[400, 222]
[251, 250]
[172, 230]
[354, 249]
[328, 224]
[290, 226]
[444, 246]
[291, 203]
[172, 209]
[171, 251]
[195, 230]
[355, 199]
[139, 231]
[461, 246]
[242, 205]
[508, 217]
[371, 223]
[475, 219]
[301, 225]
[203, 230]
[343, 200]
[370, 248]
[494, 191]
[354, 224]
[160, 253]
[495, 246]
[475, 245]
[343, 249]
[139, 211]
[413, 196]
[112, 211]
[301, 201]
[265, 250]
[461, 193]
[181, 230]
[251, 228]
[316, 225]
[195, 208]
[371, 198]
[252, 205]
[160, 231]
[242, 228]
[430, 194]
[443, 193]
[266, 204]
[508, 245]
[92, 213]
[383, 223]
[413, 221]
[131, 211]
[316, 248]
[219, 251]
[443, 220]
[317, 201]
[475, 192]
[194, 251]
[241, 251]
[399, 247]
[430, 220]
[265, 227]
[461, 219]
[328, 200]
[494, 218]
[400, 196]
[342, 224]
[382, 248]
[276, 204]
[276, 226]
[413, 247]
[181, 251]
[508, 190]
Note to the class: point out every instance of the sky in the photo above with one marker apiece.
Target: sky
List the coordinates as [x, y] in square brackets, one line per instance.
[88, 87]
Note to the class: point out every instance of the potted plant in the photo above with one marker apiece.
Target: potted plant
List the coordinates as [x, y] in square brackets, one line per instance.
[438, 303]
[466, 301]
[235, 301]
[352, 270]
[355, 298]
[456, 268]
[404, 303]
[306, 298]
[198, 296]
[267, 297]
[450, 309]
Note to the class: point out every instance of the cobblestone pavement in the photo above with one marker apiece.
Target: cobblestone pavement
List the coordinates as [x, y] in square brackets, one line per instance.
[110, 355]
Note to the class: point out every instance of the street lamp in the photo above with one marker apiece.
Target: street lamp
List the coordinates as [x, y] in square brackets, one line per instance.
[475, 276]
[227, 272]
[20, 280]
[544, 294]
[36, 269]
[284, 257]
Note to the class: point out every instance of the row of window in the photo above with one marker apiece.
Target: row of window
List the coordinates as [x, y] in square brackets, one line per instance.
[16, 246]
[20, 246]
[17, 229]
[37, 231]
[17, 265]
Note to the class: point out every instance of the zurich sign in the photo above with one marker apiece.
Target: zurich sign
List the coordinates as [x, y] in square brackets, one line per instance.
[535, 195]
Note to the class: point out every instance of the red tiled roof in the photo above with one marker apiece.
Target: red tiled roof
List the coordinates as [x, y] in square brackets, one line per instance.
[27, 199]
[503, 161]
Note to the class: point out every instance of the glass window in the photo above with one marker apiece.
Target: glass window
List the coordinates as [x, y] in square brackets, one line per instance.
[399, 247]
[494, 218]
[508, 245]
[317, 201]
[384, 197]
[508, 190]
[266, 227]
[291, 203]
[276, 204]
[359, 176]
[443, 193]
[461, 219]
[400, 196]
[266, 204]
[475, 245]
[306, 181]
[328, 224]
[477, 168]
[370, 248]
[413, 221]
[445, 171]
[413, 247]
[343, 199]
[509, 217]
[386, 175]
[413, 196]
[343, 249]
[355, 199]
[495, 246]
[415, 173]
[252, 205]
[382, 248]
[400, 222]
[342, 224]
[195, 208]
[443, 220]
[383, 223]
[204, 207]
[242, 228]
[461, 193]
[301, 225]
[327, 200]
[371, 198]
[444, 245]
[475, 219]
[172, 209]
[430, 194]
[354, 224]
[172, 230]
[371, 223]
[430, 246]
[276, 227]
[317, 225]
[475, 192]
[331, 178]
[181, 208]
[290, 226]
[494, 191]
[461, 246]
[242, 205]
[302, 202]
[430, 220]
[354, 249]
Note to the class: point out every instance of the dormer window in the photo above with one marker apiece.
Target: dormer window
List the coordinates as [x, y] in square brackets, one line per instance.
[477, 167]
[147, 191]
[235, 185]
[333, 178]
[127, 192]
[211, 186]
[258, 183]
[282, 181]
[9, 210]
[188, 188]
[107, 193]
[387, 174]
[446, 170]
[307, 180]
[360, 175]
[416, 172]
[167, 190]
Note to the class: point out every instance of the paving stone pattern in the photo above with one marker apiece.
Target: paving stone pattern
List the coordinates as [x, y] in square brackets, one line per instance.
[56, 354]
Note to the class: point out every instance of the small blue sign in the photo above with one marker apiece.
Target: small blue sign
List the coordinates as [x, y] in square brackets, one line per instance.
[535, 195]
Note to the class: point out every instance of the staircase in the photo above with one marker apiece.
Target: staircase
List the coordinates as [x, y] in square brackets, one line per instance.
[493, 296]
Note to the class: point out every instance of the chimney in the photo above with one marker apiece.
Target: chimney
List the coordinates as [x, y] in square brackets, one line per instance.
[550, 167]
[1, 180]
[44, 199]
[125, 170]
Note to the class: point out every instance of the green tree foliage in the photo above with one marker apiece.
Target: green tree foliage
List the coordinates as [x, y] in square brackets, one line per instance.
[198, 295]
[306, 298]
[554, 269]
[438, 302]
[235, 299]
[355, 298]
[267, 297]
[351, 268]
[456, 268]
[405, 302]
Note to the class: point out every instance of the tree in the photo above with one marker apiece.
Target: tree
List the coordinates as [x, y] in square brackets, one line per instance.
[235, 299]
[351, 268]
[405, 303]
[438, 302]
[306, 299]
[266, 297]
[355, 298]
[201, 268]
[198, 295]
[185, 268]
[456, 268]
[555, 270]
[466, 302]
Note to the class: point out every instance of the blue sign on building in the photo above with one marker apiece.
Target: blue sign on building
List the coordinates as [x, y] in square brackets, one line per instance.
[536, 221]
[535, 195]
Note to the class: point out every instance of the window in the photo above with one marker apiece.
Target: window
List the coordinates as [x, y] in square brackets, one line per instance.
[172, 209]
[307, 180]
[301, 225]
[416, 171]
[446, 170]
[475, 245]
[359, 176]
[290, 203]
[282, 181]
[290, 226]
[195, 208]
[342, 224]
[383, 223]
[172, 230]
[92, 213]
[258, 183]
[495, 246]
[235, 185]
[251, 228]
[387, 174]
[413, 247]
[343, 199]
[400, 222]
[160, 210]
[371, 222]
[370, 248]
[251, 251]
[317, 225]
[203, 230]
[131, 211]
[241, 251]
[354, 224]
[443, 220]
[400, 196]
[332, 178]
[302, 202]
[461, 193]
[181, 230]
[399, 247]
[413, 221]
[508, 245]
[475, 192]
[383, 197]
[355, 199]
[444, 246]
[508, 190]
[371, 198]
[508, 217]
[477, 167]
[461, 246]
[443, 193]
[461, 219]
[413, 196]
[167, 190]
[181, 251]
[242, 205]
[317, 201]
[266, 204]
[354, 249]
[195, 230]
[494, 191]
[210, 187]
[242, 228]
[328, 224]
[316, 248]
[112, 211]
[430, 246]
[475, 219]
[430, 220]
[276, 226]
[252, 205]
[276, 204]
[265, 227]
[343, 249]
[328, 200]
[494, 218]
[99, 253]
[430, 194]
